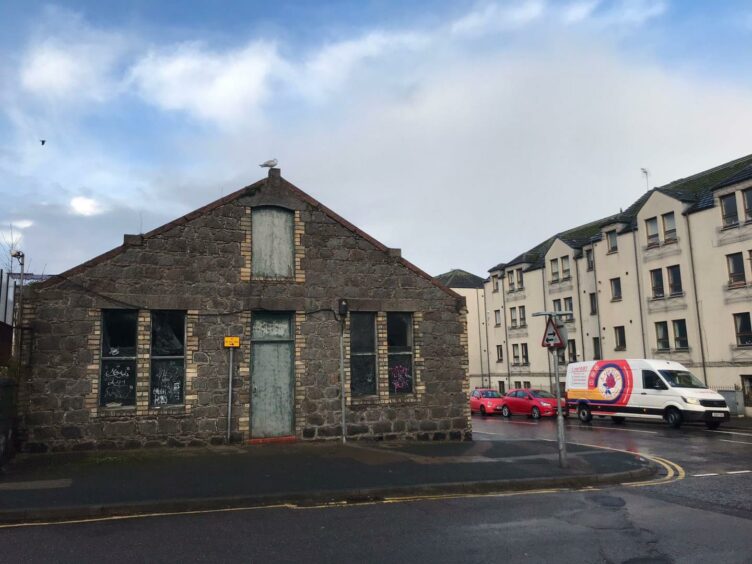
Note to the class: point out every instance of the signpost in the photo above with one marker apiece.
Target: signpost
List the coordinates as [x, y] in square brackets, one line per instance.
[555, 337]
[231, 343]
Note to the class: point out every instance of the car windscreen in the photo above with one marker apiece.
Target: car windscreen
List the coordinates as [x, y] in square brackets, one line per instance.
[681, 379]
[541, 394]
[490, 394]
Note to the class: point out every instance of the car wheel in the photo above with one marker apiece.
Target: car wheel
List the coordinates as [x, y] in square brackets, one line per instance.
[674, 417]
[583, 412]
[505, 411]
[535, 413]
[618, 420]
[713, 425]
[483, 410]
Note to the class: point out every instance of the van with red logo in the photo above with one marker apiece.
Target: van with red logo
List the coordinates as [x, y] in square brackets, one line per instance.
[643, 389]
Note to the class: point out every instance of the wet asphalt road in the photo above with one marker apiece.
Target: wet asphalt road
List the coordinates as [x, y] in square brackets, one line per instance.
[704, 517]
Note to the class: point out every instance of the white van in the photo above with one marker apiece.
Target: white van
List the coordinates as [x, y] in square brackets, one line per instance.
[642, 388]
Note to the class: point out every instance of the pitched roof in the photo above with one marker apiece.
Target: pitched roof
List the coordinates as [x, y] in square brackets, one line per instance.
[460, 279]
[273, 177]
[696, 190]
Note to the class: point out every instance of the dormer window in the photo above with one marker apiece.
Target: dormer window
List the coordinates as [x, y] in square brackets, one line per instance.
[565, 275]
[613, 246]
[651, 229]
[728, 210]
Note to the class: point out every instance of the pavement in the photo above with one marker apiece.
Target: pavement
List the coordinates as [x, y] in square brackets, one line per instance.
[78, 485]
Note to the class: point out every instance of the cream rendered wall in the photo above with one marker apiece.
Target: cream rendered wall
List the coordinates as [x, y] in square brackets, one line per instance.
[589, 321]
[496, 336]
[711, 243]
[624, 312]
[537, 371]
[565, 288]
[668, 308]
[477, 348]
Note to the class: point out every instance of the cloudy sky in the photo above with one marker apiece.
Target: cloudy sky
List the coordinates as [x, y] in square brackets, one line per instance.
[461, 132]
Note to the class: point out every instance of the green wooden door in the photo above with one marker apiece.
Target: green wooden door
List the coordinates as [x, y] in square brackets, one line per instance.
[271, 375]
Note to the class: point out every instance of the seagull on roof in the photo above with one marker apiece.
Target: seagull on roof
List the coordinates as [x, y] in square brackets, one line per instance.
[269, 164]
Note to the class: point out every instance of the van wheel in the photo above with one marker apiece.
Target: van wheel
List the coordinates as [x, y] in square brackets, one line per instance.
[583, 412]
[505, 411]
[535, 413]
[674, 417]
[618, 420]
[713, 425]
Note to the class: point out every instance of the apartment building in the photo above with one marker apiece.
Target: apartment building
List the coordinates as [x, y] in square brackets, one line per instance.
[472, 288]
[669, 277]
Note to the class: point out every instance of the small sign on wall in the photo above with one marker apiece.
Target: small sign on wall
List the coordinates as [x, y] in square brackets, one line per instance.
[232, 342]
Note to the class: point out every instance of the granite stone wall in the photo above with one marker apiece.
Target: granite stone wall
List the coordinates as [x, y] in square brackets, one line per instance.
[201, 264]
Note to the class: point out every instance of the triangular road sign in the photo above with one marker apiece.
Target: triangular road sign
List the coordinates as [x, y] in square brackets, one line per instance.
[552, 338]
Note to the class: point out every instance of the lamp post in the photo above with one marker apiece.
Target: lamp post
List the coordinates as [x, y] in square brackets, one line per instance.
[19, 256]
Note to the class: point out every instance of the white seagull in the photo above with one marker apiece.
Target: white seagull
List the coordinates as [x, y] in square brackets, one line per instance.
[269, 164]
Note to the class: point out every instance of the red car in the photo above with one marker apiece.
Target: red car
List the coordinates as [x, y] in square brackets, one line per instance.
[535, 403]
[486, 401]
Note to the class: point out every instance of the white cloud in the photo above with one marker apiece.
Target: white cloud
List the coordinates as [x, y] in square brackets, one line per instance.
[634, 12]
[21, 223]
[221, 87]
[496, 17]
[579, 11]
[80, 205]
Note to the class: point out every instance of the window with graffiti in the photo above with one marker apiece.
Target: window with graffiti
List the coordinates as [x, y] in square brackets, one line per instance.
[117, 386]
[167, 358]
[399, 331]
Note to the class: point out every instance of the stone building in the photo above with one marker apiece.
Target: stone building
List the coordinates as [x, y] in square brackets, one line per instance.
[128, 349]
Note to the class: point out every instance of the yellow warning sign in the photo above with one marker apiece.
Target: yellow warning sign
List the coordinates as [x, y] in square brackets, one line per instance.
[232, 342]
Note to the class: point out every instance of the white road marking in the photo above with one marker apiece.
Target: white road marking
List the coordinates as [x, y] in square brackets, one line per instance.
[729, 432]
[36, 485]
[740, 442]
[627, 430]
[739, 472]
[702, 475]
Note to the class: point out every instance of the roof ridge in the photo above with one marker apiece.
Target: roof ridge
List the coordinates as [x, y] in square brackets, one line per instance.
[707, 171]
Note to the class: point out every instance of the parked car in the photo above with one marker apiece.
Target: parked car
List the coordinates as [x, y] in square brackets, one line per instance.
[535, 403]
[7, 419]
[485, 401]
[644, 389]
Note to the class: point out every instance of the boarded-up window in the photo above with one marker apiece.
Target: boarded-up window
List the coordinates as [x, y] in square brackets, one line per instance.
[118, 369]
[399, 333]
[363, 354]
[272, 236]
[167, 358]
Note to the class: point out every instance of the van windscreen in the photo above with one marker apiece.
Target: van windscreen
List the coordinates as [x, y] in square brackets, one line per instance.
[681, 379]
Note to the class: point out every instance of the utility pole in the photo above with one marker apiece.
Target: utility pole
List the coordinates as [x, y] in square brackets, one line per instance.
[19, 256]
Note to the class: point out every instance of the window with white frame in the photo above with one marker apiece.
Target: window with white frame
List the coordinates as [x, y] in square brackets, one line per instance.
[523, 352]
[572, 350]
[620, 338]
[520, 279]
[613, 245]
[499, 353]
[497, 317]
[495, 283]
[569, 306]
[615, 289]
[523, 320]
[674, 280]
[729, 213]
[513, 317]
[669, 227]
[661, 335]
[590, 261]
[656, 282]
[651, 231]
[554, 270]
[743, 329]
[565, 272]
[510, 280]
[516, 355]
[735, 263]
[557, 305]
[680, 334]
[747, 198]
